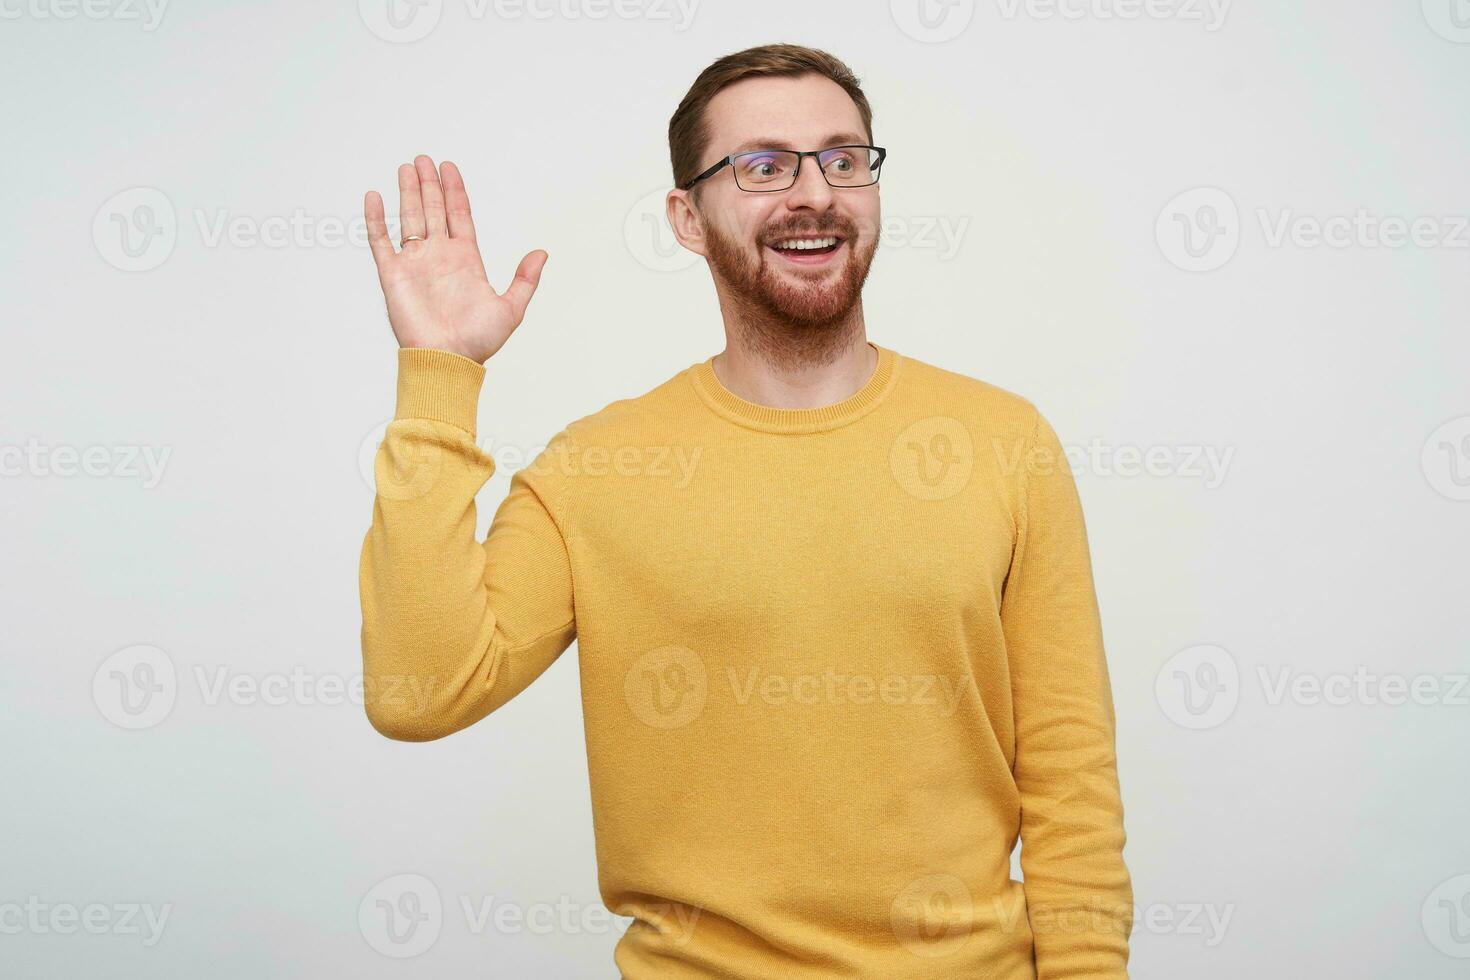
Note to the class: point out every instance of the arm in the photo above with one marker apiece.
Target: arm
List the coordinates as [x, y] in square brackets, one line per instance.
[452, 627]
[1078, 891]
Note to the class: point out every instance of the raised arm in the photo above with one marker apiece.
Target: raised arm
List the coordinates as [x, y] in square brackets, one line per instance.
[452, 627]
[1078, 891]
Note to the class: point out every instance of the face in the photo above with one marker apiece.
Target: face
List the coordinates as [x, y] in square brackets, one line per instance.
[738, 232]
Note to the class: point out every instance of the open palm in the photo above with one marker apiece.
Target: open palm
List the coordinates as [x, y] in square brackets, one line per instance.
[437, 292]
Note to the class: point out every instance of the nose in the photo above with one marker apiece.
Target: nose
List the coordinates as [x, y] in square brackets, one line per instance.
[811, 189]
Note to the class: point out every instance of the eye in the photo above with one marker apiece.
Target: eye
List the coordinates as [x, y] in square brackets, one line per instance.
[763, 166]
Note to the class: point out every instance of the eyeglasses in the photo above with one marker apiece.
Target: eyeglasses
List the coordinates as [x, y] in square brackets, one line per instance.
[761, 171]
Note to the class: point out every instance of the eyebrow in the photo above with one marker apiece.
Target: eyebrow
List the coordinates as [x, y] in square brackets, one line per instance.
[772, 143]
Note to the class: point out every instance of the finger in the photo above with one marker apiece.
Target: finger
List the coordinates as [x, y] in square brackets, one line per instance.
[410, 203]
[456, 202]
[377, 229]
[523, 287]
[433, 196]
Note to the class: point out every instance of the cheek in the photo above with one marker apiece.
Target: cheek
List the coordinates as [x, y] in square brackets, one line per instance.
[869, 223]
[751, 222]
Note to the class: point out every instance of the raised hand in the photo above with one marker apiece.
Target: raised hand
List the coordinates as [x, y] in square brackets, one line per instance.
[437, 292]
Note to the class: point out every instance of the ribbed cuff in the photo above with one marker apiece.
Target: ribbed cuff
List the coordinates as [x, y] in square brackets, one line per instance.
[440, 385]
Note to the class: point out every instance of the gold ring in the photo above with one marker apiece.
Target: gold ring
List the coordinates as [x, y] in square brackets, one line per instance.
[412, 238]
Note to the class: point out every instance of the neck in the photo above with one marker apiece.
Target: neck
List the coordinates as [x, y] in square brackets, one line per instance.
[782, 367]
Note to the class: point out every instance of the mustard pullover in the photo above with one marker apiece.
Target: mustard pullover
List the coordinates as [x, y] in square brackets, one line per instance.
[833, 661]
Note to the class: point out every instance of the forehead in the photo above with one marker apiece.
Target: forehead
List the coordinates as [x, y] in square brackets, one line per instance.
[802, 113]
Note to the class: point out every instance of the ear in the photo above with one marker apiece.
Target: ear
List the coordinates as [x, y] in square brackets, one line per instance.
[685, 219]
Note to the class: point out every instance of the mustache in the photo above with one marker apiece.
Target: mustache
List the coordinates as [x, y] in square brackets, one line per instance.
[837, 230]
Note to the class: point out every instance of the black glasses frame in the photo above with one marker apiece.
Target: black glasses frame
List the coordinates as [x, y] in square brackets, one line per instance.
[796, 172]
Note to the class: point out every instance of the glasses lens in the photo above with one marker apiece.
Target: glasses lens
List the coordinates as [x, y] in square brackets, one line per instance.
[765, 170]
[850, 166]
[775, 170]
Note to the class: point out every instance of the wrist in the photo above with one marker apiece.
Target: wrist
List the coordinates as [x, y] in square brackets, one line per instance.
[438, 384]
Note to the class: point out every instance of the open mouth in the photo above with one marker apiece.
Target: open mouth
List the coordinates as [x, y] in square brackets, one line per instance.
[810, 250]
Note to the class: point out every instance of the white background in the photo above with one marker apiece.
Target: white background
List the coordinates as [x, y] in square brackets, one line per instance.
[1036, 158]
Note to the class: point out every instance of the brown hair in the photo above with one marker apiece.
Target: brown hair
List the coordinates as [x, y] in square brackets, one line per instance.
[688, 133]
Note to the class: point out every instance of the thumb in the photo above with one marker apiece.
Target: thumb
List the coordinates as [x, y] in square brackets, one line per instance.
[528, 276]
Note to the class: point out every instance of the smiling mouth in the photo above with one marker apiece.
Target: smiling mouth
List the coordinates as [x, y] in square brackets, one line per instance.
[810, 250]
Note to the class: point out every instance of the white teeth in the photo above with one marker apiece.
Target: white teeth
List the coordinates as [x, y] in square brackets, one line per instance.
[805, 243]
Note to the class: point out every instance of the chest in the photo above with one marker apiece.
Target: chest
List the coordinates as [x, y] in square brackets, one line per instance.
[786, 540]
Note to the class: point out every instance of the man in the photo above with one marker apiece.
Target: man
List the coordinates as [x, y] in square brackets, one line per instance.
[838, 638]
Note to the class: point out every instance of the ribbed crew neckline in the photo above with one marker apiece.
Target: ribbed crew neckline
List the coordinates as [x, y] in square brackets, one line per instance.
[767, 418]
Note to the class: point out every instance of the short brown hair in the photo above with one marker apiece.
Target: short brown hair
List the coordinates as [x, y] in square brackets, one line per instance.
[688, 132]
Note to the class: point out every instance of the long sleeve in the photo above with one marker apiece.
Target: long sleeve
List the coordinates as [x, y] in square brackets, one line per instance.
[452, 627]
[1078, 890]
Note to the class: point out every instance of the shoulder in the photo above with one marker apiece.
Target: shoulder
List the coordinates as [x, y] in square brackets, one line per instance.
[625, 420]
[985, 408]
[625, 436]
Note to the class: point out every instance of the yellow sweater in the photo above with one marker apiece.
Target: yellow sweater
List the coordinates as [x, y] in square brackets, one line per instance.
[834, 661]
